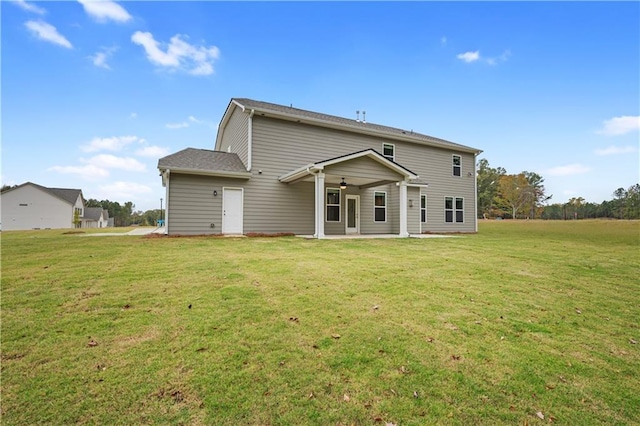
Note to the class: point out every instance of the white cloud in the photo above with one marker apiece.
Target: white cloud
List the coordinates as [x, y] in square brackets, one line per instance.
[105, 10]
[612, 150]
[99, 59]
[502, 58]
[108, 161]
[133, 115]
[89, 172]
[29, 7]
[47, 32]
[115, 143]
[443, 40]
[152, 151]
[469, 56]
[178, 54]
[123, 190]
[194, 120]
[177, 125]
[620, 125]
[568, 170]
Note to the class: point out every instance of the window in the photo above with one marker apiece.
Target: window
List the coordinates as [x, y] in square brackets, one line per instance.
[423, 208]
[457, 165]
[24, 205]
[448, 209]
[79, 211]
[379, 206]
[333, 205]
[460, 210]
[389, 151]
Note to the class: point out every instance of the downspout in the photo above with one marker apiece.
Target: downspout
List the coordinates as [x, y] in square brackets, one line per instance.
[166, 208]
[475, 187]
[250, 139]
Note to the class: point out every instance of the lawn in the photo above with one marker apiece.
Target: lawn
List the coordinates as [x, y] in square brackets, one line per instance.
[522, 321]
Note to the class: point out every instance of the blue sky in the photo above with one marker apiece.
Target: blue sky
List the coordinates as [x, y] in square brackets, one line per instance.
[94, 93]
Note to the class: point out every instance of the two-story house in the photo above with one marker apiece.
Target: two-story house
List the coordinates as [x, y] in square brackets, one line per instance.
[279, 169]
[32, 206]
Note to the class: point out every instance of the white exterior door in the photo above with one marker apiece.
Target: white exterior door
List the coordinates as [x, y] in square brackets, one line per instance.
[232, 210]
[353, 214]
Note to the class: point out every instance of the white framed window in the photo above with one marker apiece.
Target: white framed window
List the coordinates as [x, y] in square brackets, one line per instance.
[379, 206]
[423, 208]
[389, 151]
[333, 205]
[448, 209]
[457, 165]
[459, 210]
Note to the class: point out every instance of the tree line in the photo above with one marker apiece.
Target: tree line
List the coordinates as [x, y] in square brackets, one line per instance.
[124, 215]
[523, 196]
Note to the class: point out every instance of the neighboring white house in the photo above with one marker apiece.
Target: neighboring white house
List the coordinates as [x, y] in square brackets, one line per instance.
[32, 206]
[95, 217]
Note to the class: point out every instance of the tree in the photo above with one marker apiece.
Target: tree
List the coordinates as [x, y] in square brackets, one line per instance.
[487, 180]
[576, 204]
[514, 193]
[76, 218]
[537, 191]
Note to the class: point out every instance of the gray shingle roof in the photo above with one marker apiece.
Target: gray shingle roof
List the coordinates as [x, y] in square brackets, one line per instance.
[203, 160]
[355, 125]
[66, 194]
[93, 213]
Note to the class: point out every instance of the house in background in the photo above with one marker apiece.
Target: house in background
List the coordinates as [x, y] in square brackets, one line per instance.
[32, 206]
[95, 217]
[279, 169]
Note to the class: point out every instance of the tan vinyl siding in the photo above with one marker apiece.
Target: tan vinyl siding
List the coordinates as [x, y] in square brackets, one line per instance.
[192, 205]
[236, 135]
[280, 147]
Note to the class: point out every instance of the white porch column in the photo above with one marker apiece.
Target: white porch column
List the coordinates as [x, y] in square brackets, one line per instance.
[319, 205]
[403, 209]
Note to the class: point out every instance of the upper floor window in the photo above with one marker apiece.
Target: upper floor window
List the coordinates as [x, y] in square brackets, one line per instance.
[389, 151]
[379, 206]
[333, 205]
[457, 165]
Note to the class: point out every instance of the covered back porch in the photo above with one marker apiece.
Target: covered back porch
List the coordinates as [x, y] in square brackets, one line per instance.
[361, 193]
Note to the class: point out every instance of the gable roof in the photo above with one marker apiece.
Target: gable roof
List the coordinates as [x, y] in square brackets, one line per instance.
[327, 120]
[65, 194]
[308, 169]
[93, 213]
[204, 161]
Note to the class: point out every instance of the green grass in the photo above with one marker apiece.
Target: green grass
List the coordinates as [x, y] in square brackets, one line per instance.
[492, 328]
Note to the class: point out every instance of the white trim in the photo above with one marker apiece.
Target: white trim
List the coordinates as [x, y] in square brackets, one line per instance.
[250, 139]
[225, 119]
[426, 217]
[386, 202]
[166, 209]
[455, 209]
[233, 188]
[346, 213]
[367, 130]
[475, 190]
[327, 205]
[311, 168]
[394, 150]
[453, 165]
[239, 175]
[404, 230]
[319, 188]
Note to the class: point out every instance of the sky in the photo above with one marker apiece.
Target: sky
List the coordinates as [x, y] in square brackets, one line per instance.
[94, 93]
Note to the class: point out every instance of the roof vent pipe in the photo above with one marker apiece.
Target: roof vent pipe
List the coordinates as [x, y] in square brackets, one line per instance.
[364, 120]
[358, 116]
